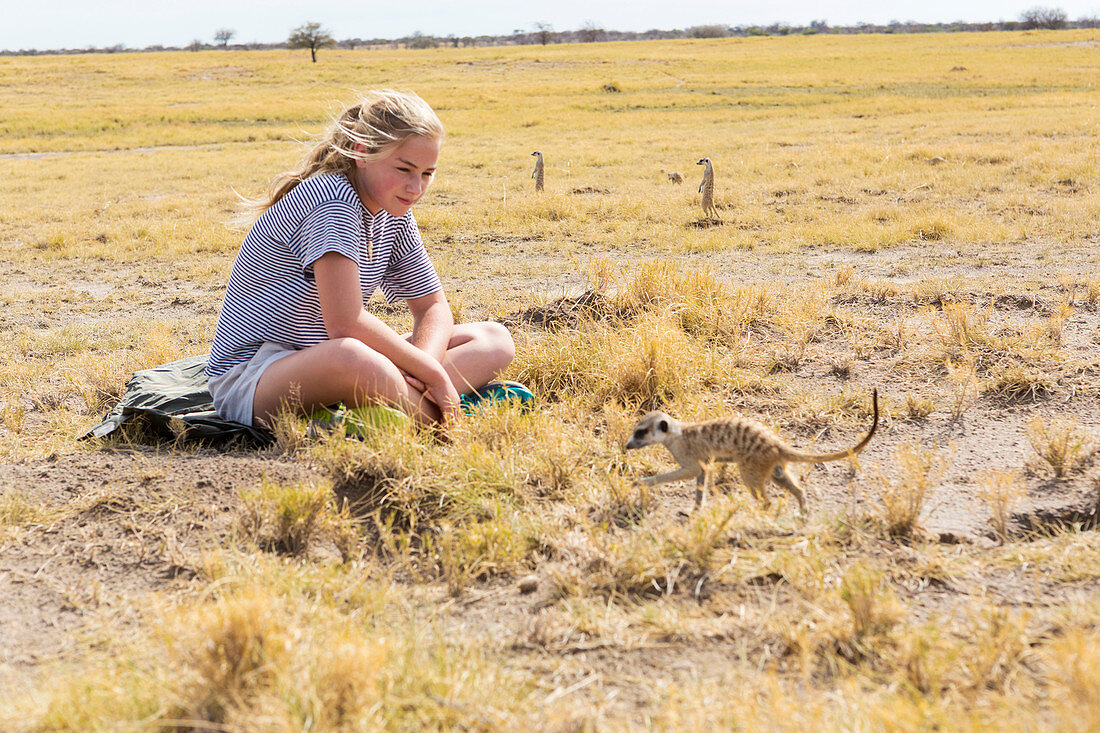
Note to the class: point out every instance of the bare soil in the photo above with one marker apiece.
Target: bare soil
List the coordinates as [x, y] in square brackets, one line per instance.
[142, 519]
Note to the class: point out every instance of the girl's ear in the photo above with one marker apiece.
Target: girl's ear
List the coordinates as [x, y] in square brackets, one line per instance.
[360, 151]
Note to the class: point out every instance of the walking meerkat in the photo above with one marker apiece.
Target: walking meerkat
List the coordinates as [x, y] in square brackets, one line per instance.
[759, 452]
[706, 187]
[537, 174]
[675, 177]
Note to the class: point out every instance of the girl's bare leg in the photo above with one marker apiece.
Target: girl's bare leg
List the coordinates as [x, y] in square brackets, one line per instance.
[477, 354]
[347, 370]
[340, 370]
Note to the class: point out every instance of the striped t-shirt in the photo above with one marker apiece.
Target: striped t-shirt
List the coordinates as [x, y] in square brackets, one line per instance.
[272, 295]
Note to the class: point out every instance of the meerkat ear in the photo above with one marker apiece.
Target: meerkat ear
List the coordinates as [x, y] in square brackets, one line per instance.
[663, 426]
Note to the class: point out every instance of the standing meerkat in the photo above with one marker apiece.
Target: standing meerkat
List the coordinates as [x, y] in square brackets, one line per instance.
[537, 174]
[706, 187]
[759, 452]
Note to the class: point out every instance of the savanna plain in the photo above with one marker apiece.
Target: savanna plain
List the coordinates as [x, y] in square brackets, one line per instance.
[913, 213]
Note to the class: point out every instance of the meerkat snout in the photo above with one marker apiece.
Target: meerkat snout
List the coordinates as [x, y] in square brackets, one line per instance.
[653, 428]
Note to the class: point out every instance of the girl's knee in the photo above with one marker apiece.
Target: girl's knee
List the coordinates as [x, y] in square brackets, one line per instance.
[347, 355]
[498, 343]
[353, 361]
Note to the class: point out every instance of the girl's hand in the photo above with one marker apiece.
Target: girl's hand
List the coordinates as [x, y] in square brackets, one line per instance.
[419, 386]
[444, 395]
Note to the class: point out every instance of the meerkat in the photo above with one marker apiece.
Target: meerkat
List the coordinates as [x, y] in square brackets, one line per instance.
[537, 174]
[760, 453]
[674, 177]
[706, 187]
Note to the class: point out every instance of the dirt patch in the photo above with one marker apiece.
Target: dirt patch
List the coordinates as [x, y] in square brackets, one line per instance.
[704, 223]
[566, 312]
[119, 525]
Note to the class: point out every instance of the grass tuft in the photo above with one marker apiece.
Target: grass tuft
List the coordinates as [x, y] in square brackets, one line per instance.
[902, 497]
[625, 504]
[1021, 384]
[1061, 445]
[1001, 493]
[16, 509]
[295, 519]
[872, 605]
[230, 653]
[1000, 650]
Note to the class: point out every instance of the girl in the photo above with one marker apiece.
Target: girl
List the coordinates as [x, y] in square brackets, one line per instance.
[293, 331]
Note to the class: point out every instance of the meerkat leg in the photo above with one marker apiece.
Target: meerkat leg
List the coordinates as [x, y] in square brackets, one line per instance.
[755, 476]
[680, 474]
[701, 489]
[788, 482]
[702, 484]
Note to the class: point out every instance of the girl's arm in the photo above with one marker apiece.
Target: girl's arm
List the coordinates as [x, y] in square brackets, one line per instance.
[433, 324]
[341, 299]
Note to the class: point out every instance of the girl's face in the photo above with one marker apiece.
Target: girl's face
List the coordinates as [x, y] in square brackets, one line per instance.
[398, 180]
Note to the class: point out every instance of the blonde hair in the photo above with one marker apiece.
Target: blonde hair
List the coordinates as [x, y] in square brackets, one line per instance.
[381, 121]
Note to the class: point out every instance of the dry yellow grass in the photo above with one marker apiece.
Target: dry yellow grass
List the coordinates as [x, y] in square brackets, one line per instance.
[916, 213]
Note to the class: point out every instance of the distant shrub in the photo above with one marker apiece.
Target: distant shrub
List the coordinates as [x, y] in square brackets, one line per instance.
[708, 31]
[1040, 17]
[419, 41]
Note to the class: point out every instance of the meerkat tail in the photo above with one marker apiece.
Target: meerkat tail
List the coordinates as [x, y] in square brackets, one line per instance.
[802, 457]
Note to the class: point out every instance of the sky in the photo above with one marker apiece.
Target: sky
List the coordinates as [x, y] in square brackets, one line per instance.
[58, 24]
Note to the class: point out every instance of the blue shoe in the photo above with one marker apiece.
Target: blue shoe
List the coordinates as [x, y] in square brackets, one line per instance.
[498, 391]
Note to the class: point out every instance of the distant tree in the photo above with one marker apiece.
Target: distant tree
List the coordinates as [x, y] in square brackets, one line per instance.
[590, 32]
[195, 45]
[420, 41]
[1040, 17]
[311, 36]
[708, 31]
[222, 36]
[543, 32]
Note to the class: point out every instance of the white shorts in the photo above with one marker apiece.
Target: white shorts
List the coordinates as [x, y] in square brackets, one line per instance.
[234, 390]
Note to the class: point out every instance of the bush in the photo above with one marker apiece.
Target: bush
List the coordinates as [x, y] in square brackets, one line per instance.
[1040, 17]
[708, 31]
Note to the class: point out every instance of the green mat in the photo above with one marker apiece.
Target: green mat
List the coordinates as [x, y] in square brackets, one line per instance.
[357, 421]
[179, 391]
